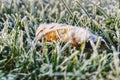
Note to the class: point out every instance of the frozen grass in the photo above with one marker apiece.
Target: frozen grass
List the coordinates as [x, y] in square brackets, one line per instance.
[24, 58]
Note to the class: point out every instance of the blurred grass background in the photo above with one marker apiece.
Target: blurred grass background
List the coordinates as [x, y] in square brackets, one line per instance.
[24, 58]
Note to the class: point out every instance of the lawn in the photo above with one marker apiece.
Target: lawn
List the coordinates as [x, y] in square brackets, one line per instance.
[22, 57]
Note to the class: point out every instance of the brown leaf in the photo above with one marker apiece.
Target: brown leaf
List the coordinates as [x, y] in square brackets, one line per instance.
[65, 33]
